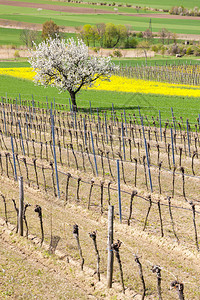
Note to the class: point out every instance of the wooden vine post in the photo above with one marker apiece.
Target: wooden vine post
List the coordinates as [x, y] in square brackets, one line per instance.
[21, 206]
[109, 246]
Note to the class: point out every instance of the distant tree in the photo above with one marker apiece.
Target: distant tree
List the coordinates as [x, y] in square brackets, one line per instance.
[147, 34]
[139, 34]
[174, 49]
[110, 35]
[24, 36]
[163, 34]
[131, 42]
[174, 37]
[50, 29]
[114, 35]
[68, 66]
[169, 36]
[162, 50]
[144, 45]
[197, 51]
[94, 35]
[28, 37]
[154, 48]
[16, 54]
[89, 33]
[101, 28]
[86, 34]
[174, 10]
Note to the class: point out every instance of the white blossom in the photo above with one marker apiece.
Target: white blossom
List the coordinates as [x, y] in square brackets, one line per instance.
[67, 65]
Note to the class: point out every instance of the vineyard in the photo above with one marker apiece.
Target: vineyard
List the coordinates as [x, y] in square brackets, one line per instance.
[99, 150]
[147, 168]
[172, 73]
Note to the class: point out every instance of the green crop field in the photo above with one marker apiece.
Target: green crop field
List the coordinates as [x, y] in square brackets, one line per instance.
[10, 36]
[187, 107]
[14, 64]
[137, 23]
[142, 3]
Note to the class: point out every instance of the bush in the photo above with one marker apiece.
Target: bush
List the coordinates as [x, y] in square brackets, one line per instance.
[174, 49]
[16, 54]
[50, 29]
[189, 51]
[139, 34]
[197, 51]
[117, 53]
[131, 43]
[182, 50]
[159, 46]
[154, 48]
[95, 49]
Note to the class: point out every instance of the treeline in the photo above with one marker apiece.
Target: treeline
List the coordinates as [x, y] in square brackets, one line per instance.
[108, 35]
[182, 11]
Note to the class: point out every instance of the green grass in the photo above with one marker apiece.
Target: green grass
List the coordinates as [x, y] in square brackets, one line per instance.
[10, 36]
[187, 107]
[63, 19]
[14, 64]
[153, 3]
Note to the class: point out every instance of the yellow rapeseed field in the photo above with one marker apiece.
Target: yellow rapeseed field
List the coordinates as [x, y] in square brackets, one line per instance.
[121, 84]
[24, 73]
[131, 85]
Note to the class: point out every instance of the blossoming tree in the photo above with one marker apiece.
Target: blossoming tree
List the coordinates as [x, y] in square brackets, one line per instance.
[68, 66]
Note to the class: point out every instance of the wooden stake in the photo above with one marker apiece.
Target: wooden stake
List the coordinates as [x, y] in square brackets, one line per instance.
[110, 242]
[21, 205]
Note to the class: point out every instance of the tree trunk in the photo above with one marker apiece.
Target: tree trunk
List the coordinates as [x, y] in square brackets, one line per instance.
[145, 53]
[73, 100]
